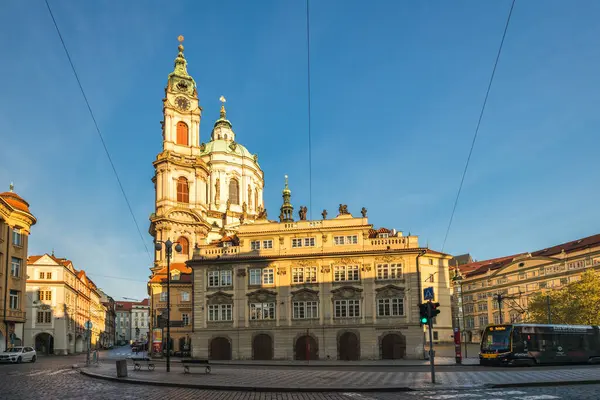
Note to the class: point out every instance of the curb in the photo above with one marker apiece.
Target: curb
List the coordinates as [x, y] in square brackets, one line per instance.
[319, 365]
[538, 384]
[246, 388]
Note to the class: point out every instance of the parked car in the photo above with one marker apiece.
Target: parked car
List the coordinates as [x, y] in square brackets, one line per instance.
[18, 354]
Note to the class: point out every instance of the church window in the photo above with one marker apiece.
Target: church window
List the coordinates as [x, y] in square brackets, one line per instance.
[225, 136]
[185, 245]
[234, 191]
[183, 190]
[182, 133]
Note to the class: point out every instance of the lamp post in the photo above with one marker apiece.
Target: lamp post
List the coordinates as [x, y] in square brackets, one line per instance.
[458, 279]
[168, 253]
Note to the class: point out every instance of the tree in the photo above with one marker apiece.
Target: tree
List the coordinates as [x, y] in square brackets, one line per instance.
[578, 303]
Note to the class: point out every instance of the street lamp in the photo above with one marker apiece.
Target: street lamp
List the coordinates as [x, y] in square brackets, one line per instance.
[458, 279]
[169, 251]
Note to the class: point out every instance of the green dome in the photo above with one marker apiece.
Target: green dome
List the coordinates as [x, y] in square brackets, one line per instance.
[226, 146]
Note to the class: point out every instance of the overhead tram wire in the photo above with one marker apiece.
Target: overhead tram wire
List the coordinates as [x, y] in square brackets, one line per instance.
[487, 93]
[309, 121]
[98, 130]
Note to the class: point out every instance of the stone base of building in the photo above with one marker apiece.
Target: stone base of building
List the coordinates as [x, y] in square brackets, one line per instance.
[319, 343]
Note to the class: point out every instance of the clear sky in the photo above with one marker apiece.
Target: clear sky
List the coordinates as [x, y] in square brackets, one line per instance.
[397, 87]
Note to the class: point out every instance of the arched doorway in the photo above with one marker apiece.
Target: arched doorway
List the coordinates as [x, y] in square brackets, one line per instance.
[262, 347]
[78, 344]
[306, 348]
[220, 349]
[44, 343]
[349, 347]
[393, 347]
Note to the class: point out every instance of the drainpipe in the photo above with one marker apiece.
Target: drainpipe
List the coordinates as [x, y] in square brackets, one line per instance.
[6, 283]
[422, 253]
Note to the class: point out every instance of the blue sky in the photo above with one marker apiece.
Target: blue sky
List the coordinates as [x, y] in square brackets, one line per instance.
[397, 88]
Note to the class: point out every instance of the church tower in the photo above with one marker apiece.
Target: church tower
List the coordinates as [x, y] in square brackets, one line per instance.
[181, 175]
[203, 190]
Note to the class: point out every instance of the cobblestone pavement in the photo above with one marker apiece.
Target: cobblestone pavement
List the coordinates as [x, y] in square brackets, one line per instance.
[317, 378]
[68, 385]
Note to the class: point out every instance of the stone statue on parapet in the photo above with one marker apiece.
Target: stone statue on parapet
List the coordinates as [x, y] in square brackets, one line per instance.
[343, 210]
[262, 213]
[324, 214]
[363, 211]
[302, 213]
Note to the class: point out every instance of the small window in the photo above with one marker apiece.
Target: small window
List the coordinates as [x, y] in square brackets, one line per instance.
[185, 245]
[234, 191]
[267, 244]
[185, 296]
[163, 296]
[182, 133]
[183, 190]
[255, 245]
[48, 275]
[435, 335]
[42, 275]
[14, 299]
[185, 319]
[17, 237]
[15, 267]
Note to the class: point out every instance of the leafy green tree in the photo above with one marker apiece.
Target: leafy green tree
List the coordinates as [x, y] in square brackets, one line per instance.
[578, 303]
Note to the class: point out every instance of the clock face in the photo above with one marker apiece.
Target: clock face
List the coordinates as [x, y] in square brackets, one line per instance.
[182, 103]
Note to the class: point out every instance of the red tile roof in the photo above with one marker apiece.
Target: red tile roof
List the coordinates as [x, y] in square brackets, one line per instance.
[16, 201]
[128, 305]
[59, 261]
[161, 274]
[481, 267]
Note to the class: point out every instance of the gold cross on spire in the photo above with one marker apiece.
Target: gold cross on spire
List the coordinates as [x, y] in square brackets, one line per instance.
[222, 99]
[180, 38]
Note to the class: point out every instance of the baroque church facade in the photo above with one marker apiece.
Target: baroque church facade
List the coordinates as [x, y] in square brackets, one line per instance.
[204, 186]
[246, 287]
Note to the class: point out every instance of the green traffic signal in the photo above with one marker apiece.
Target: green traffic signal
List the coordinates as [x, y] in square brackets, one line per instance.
[423, 320]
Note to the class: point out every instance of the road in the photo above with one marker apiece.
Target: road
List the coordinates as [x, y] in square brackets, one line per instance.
[54, 378]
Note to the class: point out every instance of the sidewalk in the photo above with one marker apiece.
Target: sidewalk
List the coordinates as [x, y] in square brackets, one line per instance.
[323, 380]
[442, 361]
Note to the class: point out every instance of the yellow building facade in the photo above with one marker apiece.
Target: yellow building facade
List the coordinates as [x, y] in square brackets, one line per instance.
[15, 226]
[517, 278]
[320, 289]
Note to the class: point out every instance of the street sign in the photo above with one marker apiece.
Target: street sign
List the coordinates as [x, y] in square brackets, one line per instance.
[88, 325]
[428, 293]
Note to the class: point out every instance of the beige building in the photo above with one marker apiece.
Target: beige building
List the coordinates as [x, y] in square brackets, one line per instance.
[181, 305]
[15, 224]
[203, 184]
[517, 278]
[60, 300]
[321, 289]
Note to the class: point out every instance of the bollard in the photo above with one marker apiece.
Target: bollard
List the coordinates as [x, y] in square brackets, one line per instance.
[121, 368]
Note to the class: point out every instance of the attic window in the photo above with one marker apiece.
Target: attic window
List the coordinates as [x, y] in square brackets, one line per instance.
[522, 264]
[383, 235]
[175, 275]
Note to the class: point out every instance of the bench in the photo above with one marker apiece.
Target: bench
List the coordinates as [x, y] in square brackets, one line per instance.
[187, 364]
[138, 362]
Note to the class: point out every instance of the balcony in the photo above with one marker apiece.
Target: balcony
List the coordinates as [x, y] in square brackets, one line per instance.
[15, 315]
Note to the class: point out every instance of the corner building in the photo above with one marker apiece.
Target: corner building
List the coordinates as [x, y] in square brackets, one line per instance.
[322, 289]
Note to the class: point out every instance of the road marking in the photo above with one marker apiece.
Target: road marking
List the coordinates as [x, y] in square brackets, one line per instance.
[358, 396]
[38, 373]
[451, 396]
[538, 397]
[60, 371]
[503, 393]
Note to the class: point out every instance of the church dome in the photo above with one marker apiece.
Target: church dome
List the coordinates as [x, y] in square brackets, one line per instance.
[225, 146]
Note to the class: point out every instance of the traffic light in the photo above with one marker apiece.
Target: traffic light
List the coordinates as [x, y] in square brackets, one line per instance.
[435, 309]
[424, 313]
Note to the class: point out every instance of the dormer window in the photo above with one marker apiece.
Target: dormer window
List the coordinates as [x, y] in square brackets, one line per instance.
[175, 275]
[383, 235]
